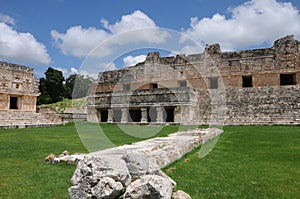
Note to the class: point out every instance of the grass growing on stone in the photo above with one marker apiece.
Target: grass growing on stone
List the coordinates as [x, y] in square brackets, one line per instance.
[66, 103]
[247, 162]
[23, 173]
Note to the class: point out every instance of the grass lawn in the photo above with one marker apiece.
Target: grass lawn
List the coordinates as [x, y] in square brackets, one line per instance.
[23, 173]
[247, 162]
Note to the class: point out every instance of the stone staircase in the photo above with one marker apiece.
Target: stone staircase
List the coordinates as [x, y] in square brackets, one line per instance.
[27, 119]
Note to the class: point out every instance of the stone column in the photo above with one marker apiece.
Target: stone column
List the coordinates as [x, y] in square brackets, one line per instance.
[110, 115]
[159, 116]
[92, 115]
[144, 118]
[124, 118]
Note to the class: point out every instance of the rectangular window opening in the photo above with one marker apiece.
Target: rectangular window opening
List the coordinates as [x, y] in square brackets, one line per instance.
[213, 83]
[182, 83]
[247, 81]
[13, 103]
[287, 79]
[154, 85]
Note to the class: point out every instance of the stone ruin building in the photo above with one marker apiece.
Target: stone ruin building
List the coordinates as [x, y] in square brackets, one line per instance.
[260, 86]
[18, 97]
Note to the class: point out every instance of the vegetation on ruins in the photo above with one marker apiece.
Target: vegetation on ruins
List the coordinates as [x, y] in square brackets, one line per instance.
[54, 87]
[247, 162]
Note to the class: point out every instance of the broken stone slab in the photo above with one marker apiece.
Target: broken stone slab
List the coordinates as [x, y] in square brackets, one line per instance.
[70, 159]
[149, 186]
[92, 169]
[162, 174]
[137, 163]
[100, 174]
[107, 188]
[50, 158]
[181, 195]
[64, 153]
[101, 177]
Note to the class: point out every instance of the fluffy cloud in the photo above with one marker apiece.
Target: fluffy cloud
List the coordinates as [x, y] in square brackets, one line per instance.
[79, 41]
[66, 73]
[21, 47]
[133, 60]
[135, 20]
[7, 19]
[251, 24]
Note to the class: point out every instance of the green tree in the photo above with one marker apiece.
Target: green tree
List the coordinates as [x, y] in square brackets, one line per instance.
[77, 86]
[52, 87]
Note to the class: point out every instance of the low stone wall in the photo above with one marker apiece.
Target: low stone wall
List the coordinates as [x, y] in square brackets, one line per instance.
[28, 119]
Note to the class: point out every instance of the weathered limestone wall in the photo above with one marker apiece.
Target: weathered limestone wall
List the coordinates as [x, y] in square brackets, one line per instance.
[265, 105]
[20, 83]
[255, 83]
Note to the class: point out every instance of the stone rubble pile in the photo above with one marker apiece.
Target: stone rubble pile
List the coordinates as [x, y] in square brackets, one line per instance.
[133, 171]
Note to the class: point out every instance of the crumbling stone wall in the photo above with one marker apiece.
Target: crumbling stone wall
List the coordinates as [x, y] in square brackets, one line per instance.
[261, 85]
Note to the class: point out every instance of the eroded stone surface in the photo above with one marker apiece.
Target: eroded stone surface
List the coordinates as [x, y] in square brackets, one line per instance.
[149, 186]
[181, 195]
[137, 163]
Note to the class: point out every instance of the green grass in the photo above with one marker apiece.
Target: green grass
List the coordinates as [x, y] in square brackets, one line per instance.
[66, 103]
[247, 162]
[23, 173]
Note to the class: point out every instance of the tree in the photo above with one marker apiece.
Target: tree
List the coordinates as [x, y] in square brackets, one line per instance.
[77, 86]
[52, 87]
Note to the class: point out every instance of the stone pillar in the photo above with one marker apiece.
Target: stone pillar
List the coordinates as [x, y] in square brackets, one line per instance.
[160, 114]
[110, 115]
[124, 118]
[177, 114]
[144, 118]
[92, 115]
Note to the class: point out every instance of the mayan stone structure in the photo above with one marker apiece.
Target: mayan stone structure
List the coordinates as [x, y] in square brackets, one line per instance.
[18, 97]
[260, 86]
[18, 88]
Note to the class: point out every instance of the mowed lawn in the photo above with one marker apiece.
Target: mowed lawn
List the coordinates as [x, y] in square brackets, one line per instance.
[247, 162]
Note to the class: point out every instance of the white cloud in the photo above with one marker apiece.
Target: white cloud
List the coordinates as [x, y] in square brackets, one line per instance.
[251, 24]
[21, 47]
[79, 41]
[66, 72]
[135, 20]
[74, 70]
[133, 60]
[7, 19]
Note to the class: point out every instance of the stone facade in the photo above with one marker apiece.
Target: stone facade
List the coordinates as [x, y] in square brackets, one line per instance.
[18, 97]
[259, 86]
[18, 88]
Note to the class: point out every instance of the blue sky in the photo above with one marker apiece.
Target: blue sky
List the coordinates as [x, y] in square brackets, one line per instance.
[62, 33]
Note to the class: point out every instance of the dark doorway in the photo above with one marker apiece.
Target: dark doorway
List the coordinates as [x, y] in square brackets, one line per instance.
[13, 103]
[152, 114]
[169, 114]
[117, 115]
[135, 115]
[287, 79]
[103, 115]
[247, 81]
[154, 85]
